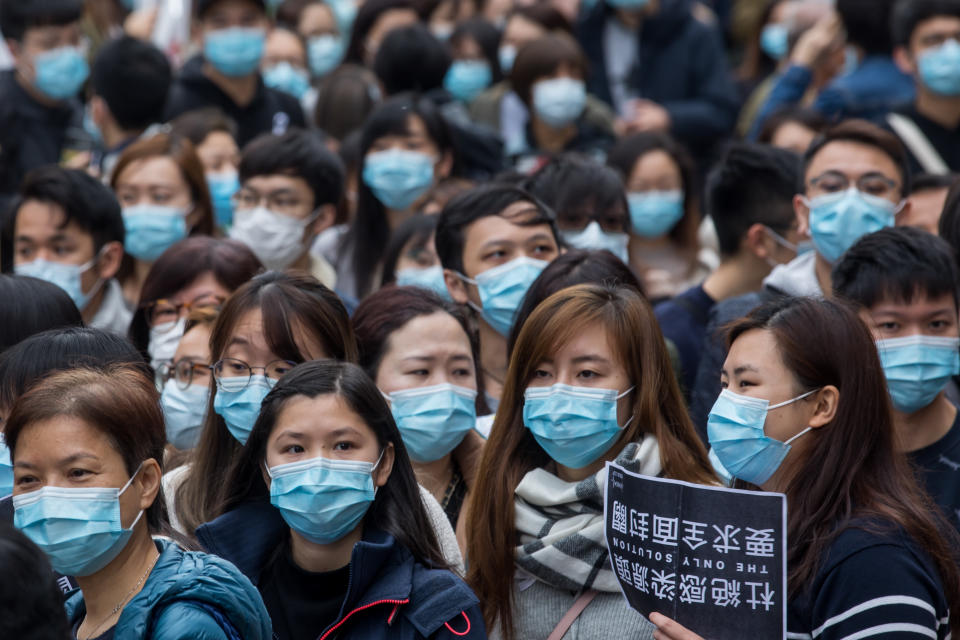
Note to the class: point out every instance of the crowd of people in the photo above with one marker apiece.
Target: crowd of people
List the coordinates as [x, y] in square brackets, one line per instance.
[323, 318]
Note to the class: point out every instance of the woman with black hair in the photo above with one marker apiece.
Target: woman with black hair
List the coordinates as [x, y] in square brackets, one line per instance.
[323, 513]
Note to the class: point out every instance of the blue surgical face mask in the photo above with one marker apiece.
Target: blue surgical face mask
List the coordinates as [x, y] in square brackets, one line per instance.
[838, 220]
[918, 368]
[429, 278]
[183, 412]
[654, 213]
[574, 425]
[735, 430]
[559, 101]
[324, 53]
[592, 237]
[939, 68]
[466, 79]
[78, 529]
[398, 177]
[60, 73]
[502, 289]
[66, 276]
[6, 469]
[774, 40]
[322, 499]
[345, 12]
[239, 406]
[152, 229]
[235, 51]
[433, 420]
[283, 76]
[222, 187]
[506, 54]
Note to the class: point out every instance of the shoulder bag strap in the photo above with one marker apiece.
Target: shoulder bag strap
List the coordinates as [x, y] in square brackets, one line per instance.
[572, 614]
[919, 145]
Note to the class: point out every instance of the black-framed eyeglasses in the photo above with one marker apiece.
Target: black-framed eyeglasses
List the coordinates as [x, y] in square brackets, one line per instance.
[873, 184]
[163, 311]
[184, 372]
[234, 375]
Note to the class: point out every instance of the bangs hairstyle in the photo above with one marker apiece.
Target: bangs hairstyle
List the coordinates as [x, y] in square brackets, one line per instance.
[291, 304]
[898, 264]
[541, 58]
[823, 342]
[16, 16]
[397, 507]
[119, 401]
[657, 409]
[183, 154]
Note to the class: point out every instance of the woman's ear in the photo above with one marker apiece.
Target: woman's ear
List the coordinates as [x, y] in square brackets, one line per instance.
[444, 166]
[382, 473]
[149, 480]
[826, 400]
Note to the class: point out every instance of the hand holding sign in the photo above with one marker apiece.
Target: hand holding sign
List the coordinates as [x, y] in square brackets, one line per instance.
[711, 559]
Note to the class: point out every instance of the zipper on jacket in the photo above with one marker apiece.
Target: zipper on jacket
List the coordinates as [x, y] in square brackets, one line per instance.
[358, 609]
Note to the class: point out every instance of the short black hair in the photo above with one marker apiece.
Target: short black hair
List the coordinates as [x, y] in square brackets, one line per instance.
[927, 181]
[17, 16]
[300, 154]
[907, 14]
[411, 59]
[31, 306]
[85, 201]
[896, 263]
[200, 7]
[867, 23]
[197, 124]
[29, 596]
[751, 184]
[133, 77]
[571, 184]
[862, 132]
[481, 202]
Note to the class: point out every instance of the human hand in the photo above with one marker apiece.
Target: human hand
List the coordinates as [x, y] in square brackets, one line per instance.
[668, 629]
[645, 115]
[818, 42]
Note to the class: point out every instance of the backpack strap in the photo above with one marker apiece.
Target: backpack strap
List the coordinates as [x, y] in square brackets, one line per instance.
[919, 145]
[572, 614]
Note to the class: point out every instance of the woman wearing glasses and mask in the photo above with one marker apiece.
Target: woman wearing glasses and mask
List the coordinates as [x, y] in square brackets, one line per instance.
[323, 513]
[266, 328]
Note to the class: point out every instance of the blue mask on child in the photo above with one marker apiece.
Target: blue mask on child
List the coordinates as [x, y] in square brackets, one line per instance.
[940, 68]
[235, 51]
[502, 289]
[152, 229]
[574, 425]
[66, 276]
[918, 368]
[559, 101]
[735, 430]
[429, 278]
[593, 238]
[183, 412]
[398, 177]
[78, 529]
[774, 40]
[324, 53]
[60, 73]
[285, 77]
[433, 420]
[222, 187]
[322, 499]
[240, 406]
[466, 79]
[654, 213]
[838, 220]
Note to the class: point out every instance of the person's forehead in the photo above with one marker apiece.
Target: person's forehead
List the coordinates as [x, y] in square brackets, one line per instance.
[936, 24]
[274, 182]
[43, 219]
[853, 159]
[498, 227]
[281, 41]
[922, 303]
[48, 31]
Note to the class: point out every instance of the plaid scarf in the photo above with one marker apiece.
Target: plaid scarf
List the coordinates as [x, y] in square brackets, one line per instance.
[561, 525]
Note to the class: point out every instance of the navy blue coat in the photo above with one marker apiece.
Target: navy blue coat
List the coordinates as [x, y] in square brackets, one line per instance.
[390, 595]
[682, 66]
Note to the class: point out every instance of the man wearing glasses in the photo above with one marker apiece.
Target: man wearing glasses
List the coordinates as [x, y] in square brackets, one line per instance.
[855, 181]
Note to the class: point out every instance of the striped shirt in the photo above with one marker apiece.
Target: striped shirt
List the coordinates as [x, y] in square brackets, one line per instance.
[872, 585]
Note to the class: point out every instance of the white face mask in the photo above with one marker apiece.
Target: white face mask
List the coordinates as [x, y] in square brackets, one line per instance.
[275, 239]
[164, 339]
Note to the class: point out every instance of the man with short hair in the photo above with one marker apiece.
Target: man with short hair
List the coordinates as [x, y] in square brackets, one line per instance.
[226, 74]
[493, 241]
[904, 282]
[40, 116]
[749, 198]
[855, 180]
[130, 81]
[927, 38]
[66, 228]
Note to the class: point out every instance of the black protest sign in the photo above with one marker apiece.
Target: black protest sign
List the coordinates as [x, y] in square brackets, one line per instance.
[711, 558]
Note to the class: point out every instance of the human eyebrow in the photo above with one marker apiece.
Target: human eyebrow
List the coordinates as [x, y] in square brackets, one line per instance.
[744, 368]
[418, 358]
[590, 358]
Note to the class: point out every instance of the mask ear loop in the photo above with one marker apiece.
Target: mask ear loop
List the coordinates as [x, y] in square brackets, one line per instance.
[630, 419]
[100, 281]
[127, 486]
[374, 468]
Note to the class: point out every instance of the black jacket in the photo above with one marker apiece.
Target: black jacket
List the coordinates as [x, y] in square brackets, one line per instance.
[270, 111]
[682, 66]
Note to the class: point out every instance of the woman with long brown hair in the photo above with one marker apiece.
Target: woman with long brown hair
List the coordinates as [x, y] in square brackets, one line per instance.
[804, 411]
[589, 381]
